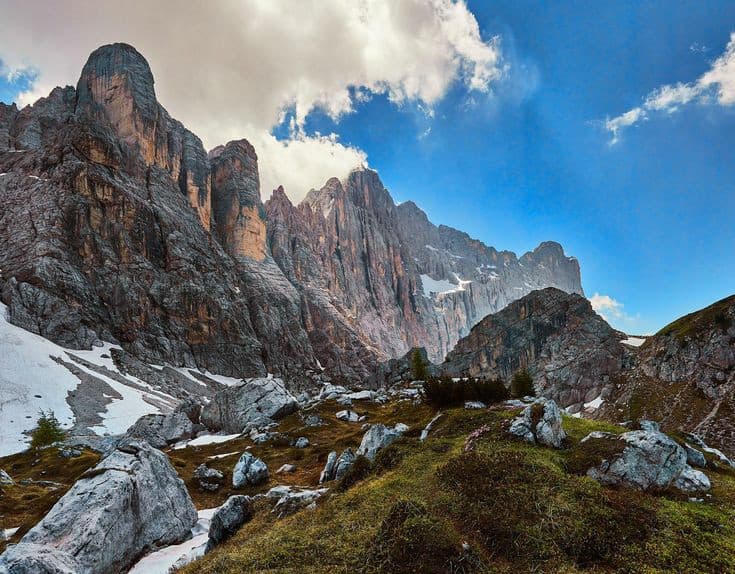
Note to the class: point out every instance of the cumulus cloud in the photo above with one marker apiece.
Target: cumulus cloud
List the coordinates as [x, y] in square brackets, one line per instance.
[716, 85]
[232, 69]
[612, 310]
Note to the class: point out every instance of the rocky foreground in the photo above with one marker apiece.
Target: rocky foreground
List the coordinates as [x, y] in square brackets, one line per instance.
[402, 487]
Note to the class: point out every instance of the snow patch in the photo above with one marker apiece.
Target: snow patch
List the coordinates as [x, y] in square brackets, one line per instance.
[442, 286]
[206, 439]
[633, 341]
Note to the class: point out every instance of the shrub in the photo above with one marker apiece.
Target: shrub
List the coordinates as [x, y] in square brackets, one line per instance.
[445, 392]
[410, 540]
[530, 512]
[48, 430]
[418, 366]
[521, 385]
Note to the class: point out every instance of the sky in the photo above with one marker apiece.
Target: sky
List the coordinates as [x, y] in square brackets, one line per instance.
[603, 126]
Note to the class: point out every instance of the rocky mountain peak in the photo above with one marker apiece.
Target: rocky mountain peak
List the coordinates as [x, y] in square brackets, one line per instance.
[118, 78]
[238, 212]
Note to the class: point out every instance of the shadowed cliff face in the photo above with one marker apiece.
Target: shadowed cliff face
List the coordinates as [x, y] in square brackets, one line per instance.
[117, 225]
[571, 352]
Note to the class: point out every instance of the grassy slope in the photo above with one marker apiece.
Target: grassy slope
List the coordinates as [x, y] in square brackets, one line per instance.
[517, 506]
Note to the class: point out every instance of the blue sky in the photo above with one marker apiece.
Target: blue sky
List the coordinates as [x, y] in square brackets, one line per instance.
[650, 218]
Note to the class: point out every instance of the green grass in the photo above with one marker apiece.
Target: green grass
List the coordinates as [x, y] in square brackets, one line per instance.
[518, 507]
[690, 325]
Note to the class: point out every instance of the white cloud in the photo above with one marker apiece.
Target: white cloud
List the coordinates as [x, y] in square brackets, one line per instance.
[229, 69]
[612, 310]
[717, 85]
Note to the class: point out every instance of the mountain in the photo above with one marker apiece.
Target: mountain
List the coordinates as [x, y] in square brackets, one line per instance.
[572, 354]
[118, 226]
[683, 377]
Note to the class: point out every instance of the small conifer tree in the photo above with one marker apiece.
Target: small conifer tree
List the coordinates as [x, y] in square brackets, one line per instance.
[521, 385]
[418, 366]
[48, 430]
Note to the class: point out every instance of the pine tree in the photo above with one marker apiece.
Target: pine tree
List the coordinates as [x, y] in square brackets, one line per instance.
[48, 430]
[521, 385]
[418, 366]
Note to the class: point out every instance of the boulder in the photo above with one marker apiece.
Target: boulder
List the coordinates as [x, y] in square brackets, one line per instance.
[362, 396]
[301, 442]
[336, 467]
[377, 437]
[254, 403]
[228, 518]
[313, 420]
[646, 460]
[718, 454]
[5, 477]
[249, 471]
[692, 480]
[474, 405]
[161, 430]
[649, 425]
[295, 500]
[348, 416]
[286, 469]
[540, 422]
[209, 479]
[130, 503]
[695, 457]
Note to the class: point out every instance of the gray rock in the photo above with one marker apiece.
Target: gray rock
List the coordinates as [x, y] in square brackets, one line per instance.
[301, 442]
[5, 478]
[348, 416]
[647, 460]
[313, 421]
[540, 422]
[68, 452]
[286, 469]
[130, 503]
[228, 518]
[293, 501]
[327, 473]
[161, 430]
[256, 402]
[209, 479]
[249, 471]
[692, 480]
[695, 457]
[377, 437]
[649, 425]
[474, 405]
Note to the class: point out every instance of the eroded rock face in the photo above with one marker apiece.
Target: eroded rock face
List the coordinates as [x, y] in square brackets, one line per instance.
[254, 403]
[130, 503]
[540, 422]
[571, 352]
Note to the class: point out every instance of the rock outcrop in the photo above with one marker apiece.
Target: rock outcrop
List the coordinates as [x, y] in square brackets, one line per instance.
[254, 403]
[540, 422]
[645, 460]
[130, 503]
[572, 354]
[684, 377]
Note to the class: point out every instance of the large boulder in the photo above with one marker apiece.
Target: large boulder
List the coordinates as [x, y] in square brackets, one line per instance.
[540, 422]
[645, 460]
[377, 437]
[254, 403]
[235, 512]
[249, 471]
[130, 503]
[161, 430]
